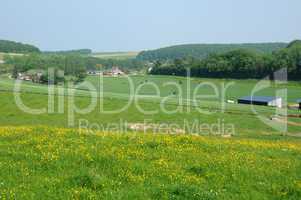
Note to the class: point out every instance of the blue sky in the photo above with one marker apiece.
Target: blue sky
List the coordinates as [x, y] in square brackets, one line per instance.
[138, 24]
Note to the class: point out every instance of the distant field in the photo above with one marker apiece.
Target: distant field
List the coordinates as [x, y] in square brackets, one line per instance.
[2, 55]
[116, 55]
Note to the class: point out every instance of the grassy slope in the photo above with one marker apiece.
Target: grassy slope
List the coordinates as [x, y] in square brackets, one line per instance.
[12, 115]
[43, 163]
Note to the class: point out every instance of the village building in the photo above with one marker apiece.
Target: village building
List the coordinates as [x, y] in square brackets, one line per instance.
[30, 76]
[115, 71]
[24, 77]
[261, 100]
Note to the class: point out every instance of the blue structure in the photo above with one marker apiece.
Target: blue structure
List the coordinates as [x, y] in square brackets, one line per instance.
[261, 100]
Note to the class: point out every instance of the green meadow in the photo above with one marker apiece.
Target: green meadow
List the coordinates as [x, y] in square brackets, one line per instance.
[97, 155]
[53, 163]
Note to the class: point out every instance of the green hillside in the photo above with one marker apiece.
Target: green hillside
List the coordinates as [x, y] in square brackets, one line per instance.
[17, 47]
[203, 50]
[241, 63]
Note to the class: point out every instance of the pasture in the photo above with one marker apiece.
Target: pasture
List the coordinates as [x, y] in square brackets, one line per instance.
[115, 95]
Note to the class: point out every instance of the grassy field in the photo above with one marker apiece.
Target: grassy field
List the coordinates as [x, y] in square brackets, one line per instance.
[48, 163]
[116, 96]
[145, 86]
[116, 55]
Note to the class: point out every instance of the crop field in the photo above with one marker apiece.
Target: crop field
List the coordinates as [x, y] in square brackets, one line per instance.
[54, 163]
[116, 55]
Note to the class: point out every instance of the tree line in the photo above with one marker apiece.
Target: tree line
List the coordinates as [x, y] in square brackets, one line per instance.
[240, 63]
[73, 65]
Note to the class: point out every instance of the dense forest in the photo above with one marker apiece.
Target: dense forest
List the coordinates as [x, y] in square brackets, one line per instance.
[16, 47]
[240, 63]
[204, 50]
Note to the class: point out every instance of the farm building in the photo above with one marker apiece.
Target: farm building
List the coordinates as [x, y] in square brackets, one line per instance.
[30, 76]
[299, 102]
[116, 71]
[261, 100]
[24, 77]
[95, 73]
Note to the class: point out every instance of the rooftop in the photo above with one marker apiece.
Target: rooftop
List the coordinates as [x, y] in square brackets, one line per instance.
[258, 98]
